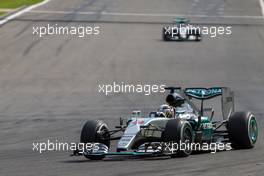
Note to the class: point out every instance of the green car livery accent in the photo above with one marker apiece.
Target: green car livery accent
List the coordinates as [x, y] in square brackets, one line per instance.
[203, 93]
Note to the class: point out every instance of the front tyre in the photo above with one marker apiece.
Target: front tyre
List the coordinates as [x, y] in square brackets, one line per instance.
[95, 131]
[242, 130]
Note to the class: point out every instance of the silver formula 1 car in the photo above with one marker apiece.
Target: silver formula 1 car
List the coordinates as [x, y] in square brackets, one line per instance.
[181, 30]
[156, 135]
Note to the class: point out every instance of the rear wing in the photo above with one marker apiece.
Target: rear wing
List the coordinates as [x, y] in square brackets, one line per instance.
[203, 93]
[227, 99]
[200, 93]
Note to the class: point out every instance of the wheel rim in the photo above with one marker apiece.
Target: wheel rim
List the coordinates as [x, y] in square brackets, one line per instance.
[253, 130]
[103, 135]
[187, 139]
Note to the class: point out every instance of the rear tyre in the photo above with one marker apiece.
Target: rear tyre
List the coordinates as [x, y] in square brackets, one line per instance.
[95, 131]
[180, 134]
[242, 130]
[198, 38]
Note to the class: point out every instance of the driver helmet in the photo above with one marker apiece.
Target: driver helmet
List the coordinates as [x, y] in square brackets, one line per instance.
[167, 110]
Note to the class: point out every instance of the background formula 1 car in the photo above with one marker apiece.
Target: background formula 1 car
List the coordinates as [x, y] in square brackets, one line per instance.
[181, 31]
[150, 136]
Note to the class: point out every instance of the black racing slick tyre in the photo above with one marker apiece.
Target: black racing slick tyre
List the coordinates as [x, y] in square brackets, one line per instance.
[164, 35]
[242, 130]
[198, 38]
[179, 134]
[95, 131]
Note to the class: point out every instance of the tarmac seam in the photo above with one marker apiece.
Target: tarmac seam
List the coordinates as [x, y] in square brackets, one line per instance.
[142, 14]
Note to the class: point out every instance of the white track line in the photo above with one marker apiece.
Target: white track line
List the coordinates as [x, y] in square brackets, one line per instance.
[261, 2]
[142, 14]
[8, 18]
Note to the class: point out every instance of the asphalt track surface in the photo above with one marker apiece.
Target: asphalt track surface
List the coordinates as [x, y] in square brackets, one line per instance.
[49, 85]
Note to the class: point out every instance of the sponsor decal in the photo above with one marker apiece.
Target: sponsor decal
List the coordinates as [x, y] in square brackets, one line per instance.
[203, 92]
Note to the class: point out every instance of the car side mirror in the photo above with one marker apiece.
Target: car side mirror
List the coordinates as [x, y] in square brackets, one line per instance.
[121, 121]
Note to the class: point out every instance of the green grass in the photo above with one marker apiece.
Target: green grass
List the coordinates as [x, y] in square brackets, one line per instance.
[11, 4]
[2, 13]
